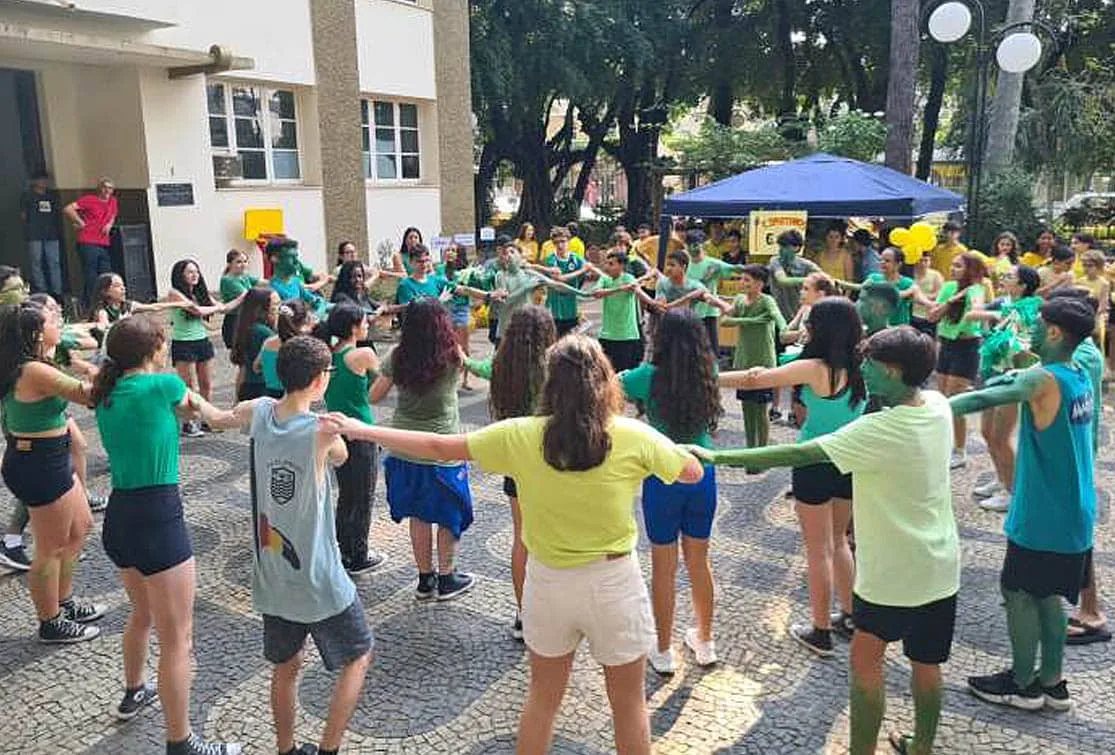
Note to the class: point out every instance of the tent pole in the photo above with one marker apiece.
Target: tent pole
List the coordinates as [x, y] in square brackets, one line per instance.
[665, 227]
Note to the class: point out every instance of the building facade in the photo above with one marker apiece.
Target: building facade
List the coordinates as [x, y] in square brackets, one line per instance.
[351, 118]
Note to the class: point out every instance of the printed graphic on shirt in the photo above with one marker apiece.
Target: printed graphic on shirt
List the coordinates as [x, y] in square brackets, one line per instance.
[1081, 411]
[274, 541]
[284, 482]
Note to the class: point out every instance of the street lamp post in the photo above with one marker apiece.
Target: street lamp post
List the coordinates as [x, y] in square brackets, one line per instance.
[1017, 50]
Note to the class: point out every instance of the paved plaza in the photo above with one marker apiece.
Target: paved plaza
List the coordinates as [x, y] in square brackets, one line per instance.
[450, 679]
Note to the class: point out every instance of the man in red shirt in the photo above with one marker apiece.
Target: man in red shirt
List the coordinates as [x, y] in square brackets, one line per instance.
[94, 215]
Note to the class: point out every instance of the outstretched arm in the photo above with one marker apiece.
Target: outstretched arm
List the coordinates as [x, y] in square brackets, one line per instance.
[1012, 388]
[767, 457]
[431, 446]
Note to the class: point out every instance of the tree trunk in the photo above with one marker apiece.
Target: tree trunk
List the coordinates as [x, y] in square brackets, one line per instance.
[900, 83]
[485, 174]
[931, 116]
[722, 97]
[537, 200]
[1003, 122]
[784, 49]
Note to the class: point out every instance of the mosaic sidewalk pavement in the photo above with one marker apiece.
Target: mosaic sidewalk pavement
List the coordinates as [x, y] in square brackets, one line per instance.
[449, 678]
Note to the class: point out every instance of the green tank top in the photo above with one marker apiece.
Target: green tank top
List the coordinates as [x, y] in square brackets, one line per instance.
[269, 366]
[348, 392]
[186, 327]
[22, 417]
[826, 414]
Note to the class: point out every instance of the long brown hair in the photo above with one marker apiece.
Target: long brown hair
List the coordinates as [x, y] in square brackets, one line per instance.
[580, 397]
[130, 343]
[519, 366]
[974, 272]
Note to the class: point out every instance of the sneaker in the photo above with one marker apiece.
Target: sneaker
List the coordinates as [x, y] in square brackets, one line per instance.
[958, 459]
[842, 624]
[454, 585]
[63, 631]
[14, 557]
[705, 652]
[303, 749]
[371, 562]
[774, 415]
[135, 700]
[1001, 689]
[427, 586]
[1000, 502]
[98, 503]
[207, 428]
[517, 628]
[817, 640]
[196, 746]
[988, 489]
[192, 429]
[80, 610]
[1057, 696]
[663, 662]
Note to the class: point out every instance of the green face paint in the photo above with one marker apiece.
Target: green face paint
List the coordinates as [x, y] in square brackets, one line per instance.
[1047, 350]
[287, 264]
[786, 254]
[884, 383]
[874, 311]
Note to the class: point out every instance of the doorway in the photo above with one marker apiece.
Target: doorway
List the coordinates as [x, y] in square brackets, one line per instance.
[21, 156]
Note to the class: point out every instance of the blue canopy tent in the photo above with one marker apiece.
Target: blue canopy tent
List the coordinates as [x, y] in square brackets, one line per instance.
[823, 185]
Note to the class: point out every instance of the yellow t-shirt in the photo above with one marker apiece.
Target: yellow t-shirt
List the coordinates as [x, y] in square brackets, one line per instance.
[529, 249]
[574, 518]
[1032, 259]
[943, 255]
[576, 246]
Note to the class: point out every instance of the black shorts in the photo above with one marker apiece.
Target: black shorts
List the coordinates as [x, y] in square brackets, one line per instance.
[624, 355]
[38, 471]
[228, 329]
[510, 489]
[959, 358]
[191, 351]
[925, 630]
[493, 329]
[712, 327]
[565, 326]
[922, 325]
[144, 529]
[1044, 573]
[760, 396]
[249, 391]
[340, 639]
[818, 483]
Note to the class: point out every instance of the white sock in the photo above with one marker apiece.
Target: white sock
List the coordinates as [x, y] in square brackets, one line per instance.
[13, 541]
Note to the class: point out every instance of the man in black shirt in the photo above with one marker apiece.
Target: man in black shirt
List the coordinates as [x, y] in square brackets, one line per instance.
[39, 213]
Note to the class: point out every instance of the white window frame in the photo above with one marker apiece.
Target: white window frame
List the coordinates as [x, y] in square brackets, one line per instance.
[266, 119]
[367, 132]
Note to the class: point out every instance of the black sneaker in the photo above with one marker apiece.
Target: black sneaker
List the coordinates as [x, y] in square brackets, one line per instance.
[842, 624]
[453, 585]
[817, 640]
[135, 700]
[98, 503]
[80, 610]
[427, 586]
[196, 746]
[192, 429]
[303, 749]
[1001, 689]
[14, 557]
[371, 562]
[517, 628]
[774, 415]
[63, 631]
[1057, 696]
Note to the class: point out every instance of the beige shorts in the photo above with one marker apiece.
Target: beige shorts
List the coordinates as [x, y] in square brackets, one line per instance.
[605, 602]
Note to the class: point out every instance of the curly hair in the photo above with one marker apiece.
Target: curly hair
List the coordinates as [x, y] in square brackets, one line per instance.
[345, 287]
[519, 365]
[974, 272]
[579, 399]
[427, 349]
[684, 388]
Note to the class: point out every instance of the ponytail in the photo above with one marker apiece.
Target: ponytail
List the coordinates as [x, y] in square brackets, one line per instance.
[105, 381]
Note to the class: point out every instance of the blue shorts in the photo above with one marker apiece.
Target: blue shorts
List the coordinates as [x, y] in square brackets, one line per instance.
[681, 507]
[436, 494]
[459, 314]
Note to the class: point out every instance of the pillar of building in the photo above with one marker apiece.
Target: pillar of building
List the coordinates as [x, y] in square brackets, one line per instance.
[454, 115]
[337, 75]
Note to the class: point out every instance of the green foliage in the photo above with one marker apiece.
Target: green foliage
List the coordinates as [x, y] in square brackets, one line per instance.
[1069, 123]
[1006, 203]
[720, 151]
[853, 134]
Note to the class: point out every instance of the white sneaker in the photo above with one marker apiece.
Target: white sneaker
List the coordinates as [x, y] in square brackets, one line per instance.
[999, 502]
[958, 459]
[988, 489]
[704, 651]
[663, 662]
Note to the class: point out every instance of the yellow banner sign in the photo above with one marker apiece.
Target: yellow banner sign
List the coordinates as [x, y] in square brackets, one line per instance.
[766, 225]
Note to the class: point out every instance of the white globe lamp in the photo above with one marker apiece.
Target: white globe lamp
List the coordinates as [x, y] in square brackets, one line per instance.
[950, 22]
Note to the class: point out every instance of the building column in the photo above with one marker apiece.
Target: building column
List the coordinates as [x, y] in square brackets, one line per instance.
[337, 75]
[454, 115]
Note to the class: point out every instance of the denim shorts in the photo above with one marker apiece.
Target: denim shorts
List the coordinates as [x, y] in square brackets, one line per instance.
[38, 471]
[340, 639]
[144, 529]
[191, 351]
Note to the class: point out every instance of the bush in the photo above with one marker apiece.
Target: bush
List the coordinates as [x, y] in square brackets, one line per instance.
[854, 134]
[1006, 203]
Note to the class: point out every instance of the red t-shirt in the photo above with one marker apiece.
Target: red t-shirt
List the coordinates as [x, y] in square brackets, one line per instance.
[96, 213]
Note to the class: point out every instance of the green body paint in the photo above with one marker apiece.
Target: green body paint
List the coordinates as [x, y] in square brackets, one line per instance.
[885, 383]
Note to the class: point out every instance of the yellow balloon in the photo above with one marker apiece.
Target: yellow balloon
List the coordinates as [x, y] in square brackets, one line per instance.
[912, 253]
[900, 236]
[923, 235]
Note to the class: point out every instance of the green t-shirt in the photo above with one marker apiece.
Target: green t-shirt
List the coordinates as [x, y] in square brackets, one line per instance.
[1089, 358]
[575, 518]
[902, 314]
[637, 385]
[431, 287]
[755, 344]
[708, 272]
[234, 285]
[186, 327]
[435, 411]
[907, 547]
[452, 276]
[962, 328]
[482, 368]
[139, 430]
[256, 337]
[69, 341]
[668, 291]
[564, 306]
[348, 392]
[620, 311]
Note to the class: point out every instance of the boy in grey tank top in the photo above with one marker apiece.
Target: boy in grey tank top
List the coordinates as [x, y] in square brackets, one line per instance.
[298, 581]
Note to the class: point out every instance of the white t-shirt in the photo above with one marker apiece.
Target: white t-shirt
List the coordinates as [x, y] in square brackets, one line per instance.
[907, 548]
